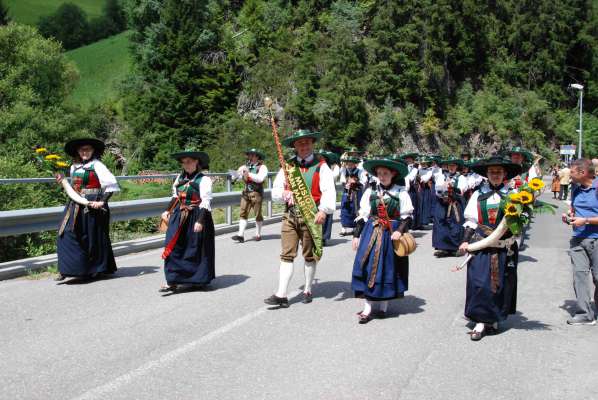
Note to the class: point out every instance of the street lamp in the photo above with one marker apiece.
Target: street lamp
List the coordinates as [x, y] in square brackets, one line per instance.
[579, 87]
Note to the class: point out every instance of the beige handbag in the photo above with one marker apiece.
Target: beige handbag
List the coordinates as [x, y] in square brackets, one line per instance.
[405, 245]
[163, 224]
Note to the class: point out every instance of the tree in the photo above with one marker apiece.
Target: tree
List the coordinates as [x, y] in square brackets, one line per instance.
[68, 25]
[186, 77]
[4, 17]
[115, 13]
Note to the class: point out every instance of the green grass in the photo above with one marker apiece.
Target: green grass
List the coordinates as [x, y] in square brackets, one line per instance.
[29, 11]
[102, 65]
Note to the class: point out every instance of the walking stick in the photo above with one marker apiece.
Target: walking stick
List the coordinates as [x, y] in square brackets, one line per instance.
[283, 164]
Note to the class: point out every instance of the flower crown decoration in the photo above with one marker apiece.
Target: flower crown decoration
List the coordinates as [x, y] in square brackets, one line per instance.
[520, 207]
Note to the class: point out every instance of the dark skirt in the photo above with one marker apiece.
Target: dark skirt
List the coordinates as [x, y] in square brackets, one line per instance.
[392, 275]
[84, 248]
[192, 258]
[349, 208]
[327, 229]
[447, 233]
[425, 200]
[481, 303]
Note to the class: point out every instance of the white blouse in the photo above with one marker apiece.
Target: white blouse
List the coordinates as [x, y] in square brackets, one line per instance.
[362, 175]
[205, 191]
[107, 180]
[471, 210]
[442, 183]
[406, 207]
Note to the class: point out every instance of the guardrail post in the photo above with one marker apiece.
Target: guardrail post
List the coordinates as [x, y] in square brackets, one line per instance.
[229, 209]
[269, 206]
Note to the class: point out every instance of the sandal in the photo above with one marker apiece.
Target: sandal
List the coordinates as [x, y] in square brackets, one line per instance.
[167, 288]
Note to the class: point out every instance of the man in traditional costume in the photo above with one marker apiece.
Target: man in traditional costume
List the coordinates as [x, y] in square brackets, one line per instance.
[254, 174]
[311, 182]
[492, 272]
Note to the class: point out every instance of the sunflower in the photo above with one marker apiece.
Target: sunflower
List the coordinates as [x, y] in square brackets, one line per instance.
[515, 198]
[526, 197]
[536, 184]
[61, 164]
[511, 210]
[41, 150]
[52, 157]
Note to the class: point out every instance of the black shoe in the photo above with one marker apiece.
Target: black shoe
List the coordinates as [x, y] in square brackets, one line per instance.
[274, 300]
[307, 298]
[59, 277]
[364, 319]
[238, 238]
[441, 253]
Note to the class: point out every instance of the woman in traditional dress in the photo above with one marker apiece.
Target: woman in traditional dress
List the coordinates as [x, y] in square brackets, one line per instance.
[332, 161]
[492, 273]
[354, 180]
[385, 213]
[83, 243]
[189, 252]
[555, 186]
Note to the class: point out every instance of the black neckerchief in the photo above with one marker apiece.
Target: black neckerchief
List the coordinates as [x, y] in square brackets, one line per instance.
[493, 190]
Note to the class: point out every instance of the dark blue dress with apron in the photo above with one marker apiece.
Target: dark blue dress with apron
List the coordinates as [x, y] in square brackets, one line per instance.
[189, 256]
[351, 198]
[447, 231]
[378, 273]
[83, 243]
[491, 293]
[413, 195]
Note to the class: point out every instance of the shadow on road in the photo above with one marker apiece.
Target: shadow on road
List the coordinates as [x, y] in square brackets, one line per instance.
[571, 306]
[334, 242]
[126, 272]
[519, 321]
[221, 282]
[407, 305]
[524, 258]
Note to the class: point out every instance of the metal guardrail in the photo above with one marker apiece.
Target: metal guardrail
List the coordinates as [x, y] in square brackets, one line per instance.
[17, 181]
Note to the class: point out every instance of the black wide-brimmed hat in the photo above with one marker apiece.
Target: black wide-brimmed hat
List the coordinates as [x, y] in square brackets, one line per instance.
[289, 141]
[409, 155]
[203, 158]
[371, 164]
[452, 160]
[72, 146]
[525, 153]
[481, 167]
[257, 152]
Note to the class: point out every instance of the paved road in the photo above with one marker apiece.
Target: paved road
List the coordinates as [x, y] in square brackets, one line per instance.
[119, 339]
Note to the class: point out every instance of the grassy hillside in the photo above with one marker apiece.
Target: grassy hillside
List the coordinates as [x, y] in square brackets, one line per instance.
[101, 66]
[29, 11]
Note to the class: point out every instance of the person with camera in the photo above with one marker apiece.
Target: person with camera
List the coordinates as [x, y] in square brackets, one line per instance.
[583, 247]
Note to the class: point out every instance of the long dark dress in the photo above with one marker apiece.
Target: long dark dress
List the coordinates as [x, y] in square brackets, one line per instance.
[83, 243]
[385, 276]
[425, 200]
[189, 256]
[350, 199]
[491, 293]
[447, 231]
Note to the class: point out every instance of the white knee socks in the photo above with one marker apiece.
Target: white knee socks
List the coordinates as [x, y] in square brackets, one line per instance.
[310, 273]
[242, 226]
[258, 227]
[367, 307]
[284, 278]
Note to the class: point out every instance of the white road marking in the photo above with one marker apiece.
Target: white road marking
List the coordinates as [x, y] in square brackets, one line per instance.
[101, 392]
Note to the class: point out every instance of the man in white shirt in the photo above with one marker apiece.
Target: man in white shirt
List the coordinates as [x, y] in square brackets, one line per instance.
[295, 230]
[253, 173]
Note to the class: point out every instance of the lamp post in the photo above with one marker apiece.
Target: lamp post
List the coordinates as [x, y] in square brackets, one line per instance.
[579, 87]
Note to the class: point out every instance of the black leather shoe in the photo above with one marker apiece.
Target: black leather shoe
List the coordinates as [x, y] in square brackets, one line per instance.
[59, 277]
[238, 238]
[274, 300]
[364, 319]
[307, 298]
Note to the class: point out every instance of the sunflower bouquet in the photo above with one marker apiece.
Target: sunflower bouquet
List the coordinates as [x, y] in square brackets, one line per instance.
[50, 162]
[519, 207]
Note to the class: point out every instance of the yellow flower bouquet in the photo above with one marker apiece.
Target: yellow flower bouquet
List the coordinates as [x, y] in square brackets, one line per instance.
[50, 162]
[518, 208]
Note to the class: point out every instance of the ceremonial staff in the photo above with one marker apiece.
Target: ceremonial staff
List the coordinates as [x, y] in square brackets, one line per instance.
[268, 104]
